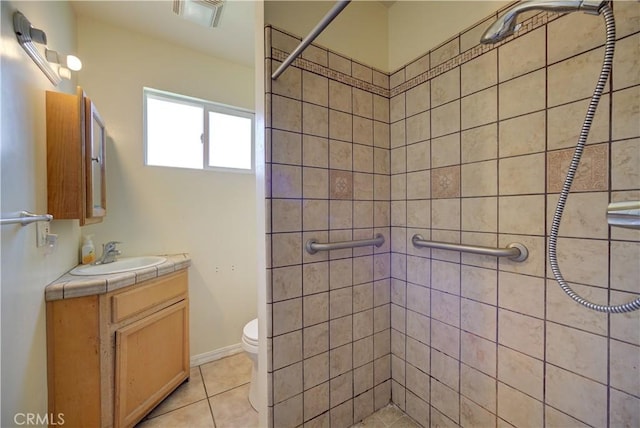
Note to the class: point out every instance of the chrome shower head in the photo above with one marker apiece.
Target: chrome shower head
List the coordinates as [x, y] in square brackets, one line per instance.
[506, 25]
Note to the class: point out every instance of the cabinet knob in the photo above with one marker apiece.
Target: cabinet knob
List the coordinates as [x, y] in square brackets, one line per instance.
[97, 160]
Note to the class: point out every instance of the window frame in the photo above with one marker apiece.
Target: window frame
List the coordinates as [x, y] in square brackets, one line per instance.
[207, 106]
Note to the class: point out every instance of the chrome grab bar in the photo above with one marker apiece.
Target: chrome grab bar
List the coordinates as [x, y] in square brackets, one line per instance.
[515, 251]
[26, 217]
[313, 246]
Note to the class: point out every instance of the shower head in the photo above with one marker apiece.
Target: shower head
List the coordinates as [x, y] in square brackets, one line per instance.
[506, 24]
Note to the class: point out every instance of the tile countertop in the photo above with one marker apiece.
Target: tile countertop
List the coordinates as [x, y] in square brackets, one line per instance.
[69, 286]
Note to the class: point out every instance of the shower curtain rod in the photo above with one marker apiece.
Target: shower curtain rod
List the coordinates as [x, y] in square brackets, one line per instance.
[337, 8]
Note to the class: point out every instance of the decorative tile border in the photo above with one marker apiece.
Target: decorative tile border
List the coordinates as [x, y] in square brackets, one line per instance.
[527, 26]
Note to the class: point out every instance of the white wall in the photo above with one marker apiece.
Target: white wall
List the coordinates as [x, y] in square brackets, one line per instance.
[359, 32]
[154, 210]
[25, 270]
[415, 27]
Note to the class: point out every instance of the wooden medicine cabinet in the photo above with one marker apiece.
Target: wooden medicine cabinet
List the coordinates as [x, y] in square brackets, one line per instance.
[76, 146]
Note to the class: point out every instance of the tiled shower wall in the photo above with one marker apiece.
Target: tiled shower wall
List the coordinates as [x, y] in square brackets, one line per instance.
[481, 138]
[466, 144]
[328, 133]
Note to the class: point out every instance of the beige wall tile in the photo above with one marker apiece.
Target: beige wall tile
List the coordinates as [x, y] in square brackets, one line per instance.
[626, 63]
[522, 135]
[315, 89]
[478, 318]
[473, 415]
[287, 282]
[315, 308]
[512, 63]
[287, 382]
[522, 95]
[363, 351]
[340, 63]
[362, 186]
[340, 125]
[418, 127]
[418, 270]
[559, 419]
[287, 249]
[479, 144]
[418, 185]
[573, 79]
[416, 67]
[362, 158]
[316, 370]
[289, 84]
[521, 214]
[521, 174]
[340, 360]
[480, 178]
[445, 338]
[286, 114]
[316, 401]
[363, 379]
[521, 372]
[445, 400]
[480, 108]
[479, 73]
[418, 298]
[340, 214]
[418, 355]
[287, 349]
[287, 316]
[626, 113]
[625, 327]
[397, 107]
[517, 408]
[340, 96]
[625, 269]
[316, 54]
[521, 332]
[625, 363]
[577, 396]
[398, 134]
[584, 260]
[625, 161]
[445, 119]
[362, 72]
[418, 156]
[314, 120]
[445, 87]
[315, 214]
[418, 327]
[316, 183]
[561, 309]
[316, 340]
[418, 213]
[362, 103]
[418, 99]
[520, 293]
[624, 409]
[315, 151]
[584, 215]
[478, 353]
[286, 215]
[315, 277]
[381, 107]
[445, 214]
[340, 155]
[564, 124]
[444, 150]
[445, 308]
[445, 277]
[479, 284]
[445, 52]
[286, 147]
[288, 412]
[445, 369]
[417, 382]
[480, 214]
[342, 415]
[587, 33]
[478, 387]
[381, 161]
[381, 135]
[362, 131]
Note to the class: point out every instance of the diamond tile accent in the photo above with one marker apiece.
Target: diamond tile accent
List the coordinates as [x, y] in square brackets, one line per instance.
[592, 173]
[445, 182]
[340, 184]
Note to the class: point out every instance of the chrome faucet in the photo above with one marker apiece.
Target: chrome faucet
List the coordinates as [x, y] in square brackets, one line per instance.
[109, 253]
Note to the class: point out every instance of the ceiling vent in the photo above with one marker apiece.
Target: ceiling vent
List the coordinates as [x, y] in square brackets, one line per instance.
[203, 12]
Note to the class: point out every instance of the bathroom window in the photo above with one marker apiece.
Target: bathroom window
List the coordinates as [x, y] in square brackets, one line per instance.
[184, 132]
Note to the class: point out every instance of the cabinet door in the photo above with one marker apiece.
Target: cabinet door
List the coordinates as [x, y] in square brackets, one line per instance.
[96, 141]
[152, 359]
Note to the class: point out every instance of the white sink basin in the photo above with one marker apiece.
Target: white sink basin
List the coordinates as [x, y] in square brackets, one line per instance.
[124, 264]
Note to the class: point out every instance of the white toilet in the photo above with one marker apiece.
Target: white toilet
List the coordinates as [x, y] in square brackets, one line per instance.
[250, 345]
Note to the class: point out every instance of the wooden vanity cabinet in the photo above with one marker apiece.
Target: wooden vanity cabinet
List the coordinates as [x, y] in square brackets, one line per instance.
[76, 149]
[111, 358]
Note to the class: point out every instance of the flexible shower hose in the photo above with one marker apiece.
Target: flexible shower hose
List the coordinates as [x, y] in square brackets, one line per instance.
[634, 305]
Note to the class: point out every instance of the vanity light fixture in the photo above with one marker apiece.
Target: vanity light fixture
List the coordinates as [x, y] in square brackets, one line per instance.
[203, 12]
[27, 34]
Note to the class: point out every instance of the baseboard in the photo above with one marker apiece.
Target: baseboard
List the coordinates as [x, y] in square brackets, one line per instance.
[207, 357]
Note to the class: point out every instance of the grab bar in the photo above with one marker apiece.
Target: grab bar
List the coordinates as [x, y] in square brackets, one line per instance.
[313, 246]
[515, 251]
[26, 217]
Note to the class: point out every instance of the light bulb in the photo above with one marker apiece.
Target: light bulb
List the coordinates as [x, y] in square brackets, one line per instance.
[74, 63]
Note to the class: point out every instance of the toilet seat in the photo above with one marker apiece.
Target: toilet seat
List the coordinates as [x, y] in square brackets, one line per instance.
[250, 333]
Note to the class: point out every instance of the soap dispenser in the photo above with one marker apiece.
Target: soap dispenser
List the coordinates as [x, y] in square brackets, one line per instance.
[88, 251]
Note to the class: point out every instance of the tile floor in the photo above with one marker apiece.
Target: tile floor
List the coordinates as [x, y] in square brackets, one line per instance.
[216, 397]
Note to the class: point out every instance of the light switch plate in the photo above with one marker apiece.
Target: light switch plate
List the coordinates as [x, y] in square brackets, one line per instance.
[42, 230]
